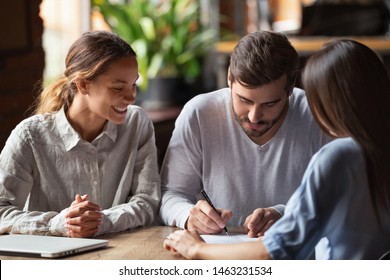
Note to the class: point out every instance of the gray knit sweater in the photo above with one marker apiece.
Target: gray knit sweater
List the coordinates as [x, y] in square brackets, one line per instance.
[209, 150]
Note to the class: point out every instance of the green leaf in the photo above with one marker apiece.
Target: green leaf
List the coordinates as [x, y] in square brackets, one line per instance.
[147, 26]
[166, 35]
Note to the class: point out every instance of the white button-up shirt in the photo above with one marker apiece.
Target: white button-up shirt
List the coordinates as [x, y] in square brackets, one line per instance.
[45, 163]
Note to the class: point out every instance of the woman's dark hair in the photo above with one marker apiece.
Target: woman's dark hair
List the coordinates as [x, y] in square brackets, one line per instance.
[348, 90]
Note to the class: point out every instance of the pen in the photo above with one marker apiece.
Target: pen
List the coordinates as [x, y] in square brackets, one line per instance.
[212, 205]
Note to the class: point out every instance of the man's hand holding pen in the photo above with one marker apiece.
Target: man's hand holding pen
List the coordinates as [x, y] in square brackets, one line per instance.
[206, 220]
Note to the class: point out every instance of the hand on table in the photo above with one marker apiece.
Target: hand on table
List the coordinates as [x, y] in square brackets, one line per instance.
[84, 217]
[260, 221]
[184, 243]
[204, 219]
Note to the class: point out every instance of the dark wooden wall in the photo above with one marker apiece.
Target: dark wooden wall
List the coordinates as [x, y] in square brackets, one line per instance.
[21, 61]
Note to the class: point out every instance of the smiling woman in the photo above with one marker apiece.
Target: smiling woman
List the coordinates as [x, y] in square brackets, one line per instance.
[104, 98]
[85, 164]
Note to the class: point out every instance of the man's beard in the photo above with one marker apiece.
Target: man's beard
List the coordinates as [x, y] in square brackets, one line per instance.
[267, 125]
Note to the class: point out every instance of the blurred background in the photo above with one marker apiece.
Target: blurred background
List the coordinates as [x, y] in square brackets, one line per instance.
[183, 46]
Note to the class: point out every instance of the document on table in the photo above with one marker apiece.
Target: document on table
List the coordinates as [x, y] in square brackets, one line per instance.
[223, 238]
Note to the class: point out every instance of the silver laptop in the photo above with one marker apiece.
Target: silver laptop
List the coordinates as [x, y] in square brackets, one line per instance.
[46, 246]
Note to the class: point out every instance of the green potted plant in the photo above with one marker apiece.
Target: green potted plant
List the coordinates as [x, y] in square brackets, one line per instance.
[167, 36]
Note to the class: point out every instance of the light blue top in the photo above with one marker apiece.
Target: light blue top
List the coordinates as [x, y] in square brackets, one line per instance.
[333, 201]
[210, 150]
[45, 163]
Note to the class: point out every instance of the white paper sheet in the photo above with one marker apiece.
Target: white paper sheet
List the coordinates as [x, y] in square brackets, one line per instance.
[223, 238]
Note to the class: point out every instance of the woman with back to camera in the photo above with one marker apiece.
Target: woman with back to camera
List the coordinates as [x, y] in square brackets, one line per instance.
[85, 163]
[344, 195]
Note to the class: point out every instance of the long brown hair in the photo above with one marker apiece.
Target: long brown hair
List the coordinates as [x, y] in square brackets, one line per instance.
[88, 57]
[348, 88]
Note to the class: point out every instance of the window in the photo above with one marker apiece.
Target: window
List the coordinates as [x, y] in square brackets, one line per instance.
[64, 21]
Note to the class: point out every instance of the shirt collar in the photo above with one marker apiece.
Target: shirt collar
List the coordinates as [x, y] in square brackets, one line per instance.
[68, 135]
[71, 138]
[110, 130]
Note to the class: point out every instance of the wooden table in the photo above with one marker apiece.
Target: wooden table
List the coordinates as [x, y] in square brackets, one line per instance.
[138, 244]
[305, 46]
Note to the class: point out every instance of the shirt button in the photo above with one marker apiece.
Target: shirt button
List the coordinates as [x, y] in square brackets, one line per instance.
[95, 183]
